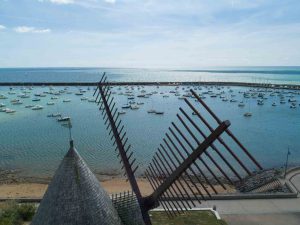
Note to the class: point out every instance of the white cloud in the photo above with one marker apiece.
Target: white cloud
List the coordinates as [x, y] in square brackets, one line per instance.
[60, 2]
[2, 27]
[25, 29]
[42, 31]
[110, 1]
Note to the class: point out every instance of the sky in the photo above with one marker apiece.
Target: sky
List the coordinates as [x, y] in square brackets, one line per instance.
[181, 34]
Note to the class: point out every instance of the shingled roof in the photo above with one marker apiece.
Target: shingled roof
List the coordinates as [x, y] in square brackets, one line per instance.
[75, 197]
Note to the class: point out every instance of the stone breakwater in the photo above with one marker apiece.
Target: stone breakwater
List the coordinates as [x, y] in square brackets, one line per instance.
[242, 84]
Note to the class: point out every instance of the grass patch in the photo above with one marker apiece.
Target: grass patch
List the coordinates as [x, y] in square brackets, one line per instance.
[12, 213]
[187, 218]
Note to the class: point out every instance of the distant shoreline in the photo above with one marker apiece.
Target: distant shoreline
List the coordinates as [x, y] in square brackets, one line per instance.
[241, 84]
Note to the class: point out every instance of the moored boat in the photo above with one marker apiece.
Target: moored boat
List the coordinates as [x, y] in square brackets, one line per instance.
[17, 103]
[134, 107]
[10, 110]
[54, 115]
[66, 118]
[127, 106]
[91, 100]
[3, 109]
[3, 97]
[247, 114]
[37, 107]
[241, 104]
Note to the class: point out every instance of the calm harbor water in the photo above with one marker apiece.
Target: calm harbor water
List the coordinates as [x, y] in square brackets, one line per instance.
[34, 143]
[274, 75]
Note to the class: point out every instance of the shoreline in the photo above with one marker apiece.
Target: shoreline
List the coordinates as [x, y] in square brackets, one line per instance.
[36, 190]
[15, 186]
[239, 84]
[114, 186]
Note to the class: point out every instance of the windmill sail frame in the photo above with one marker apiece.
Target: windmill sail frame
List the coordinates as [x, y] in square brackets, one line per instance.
[178, 166]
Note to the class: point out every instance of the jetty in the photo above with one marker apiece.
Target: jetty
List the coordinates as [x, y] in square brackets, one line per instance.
[140, 83]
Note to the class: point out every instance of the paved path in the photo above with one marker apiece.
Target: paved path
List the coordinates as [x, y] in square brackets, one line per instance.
[263, 219]
[262, 211]
[260, 206]
[255, 206]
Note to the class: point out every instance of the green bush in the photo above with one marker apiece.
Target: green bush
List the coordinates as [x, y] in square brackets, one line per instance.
[13, 214]
[26, 211]
[9, 221]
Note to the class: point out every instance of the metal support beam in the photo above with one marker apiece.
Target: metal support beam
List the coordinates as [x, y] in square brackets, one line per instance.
[124, 158]
[150, 200]
[227, 131]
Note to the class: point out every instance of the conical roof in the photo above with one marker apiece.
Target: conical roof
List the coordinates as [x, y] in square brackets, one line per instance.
[75, 197]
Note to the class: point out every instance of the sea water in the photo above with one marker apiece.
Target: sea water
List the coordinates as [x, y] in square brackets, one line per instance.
[35, 143]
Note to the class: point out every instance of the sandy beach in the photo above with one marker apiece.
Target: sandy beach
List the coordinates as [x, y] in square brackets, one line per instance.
[37, 190]
[115, 185]
[14, 185]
